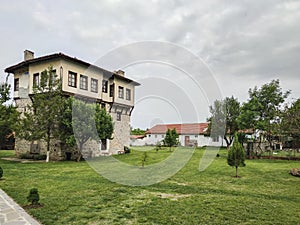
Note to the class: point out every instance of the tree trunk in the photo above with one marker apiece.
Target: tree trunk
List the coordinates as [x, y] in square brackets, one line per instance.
[228, 142]
[48, 145]
[236, 171]
[48, 156]
[80, 150]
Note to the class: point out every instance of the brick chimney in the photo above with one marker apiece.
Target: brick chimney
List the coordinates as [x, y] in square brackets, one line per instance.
[120, 72]
[28, 55]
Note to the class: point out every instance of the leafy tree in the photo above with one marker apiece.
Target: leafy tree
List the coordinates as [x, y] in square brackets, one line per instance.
[262, 111]
[236, 155]
[144, 158]
[104, 124]
[224, 115]
[137, 131]
[291, 120]
[171, 138]
[9, 116]
[83, 121]
[41, 121]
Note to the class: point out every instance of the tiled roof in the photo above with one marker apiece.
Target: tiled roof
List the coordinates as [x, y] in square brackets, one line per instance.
[137, 136]
[188, 128]
[60, 55]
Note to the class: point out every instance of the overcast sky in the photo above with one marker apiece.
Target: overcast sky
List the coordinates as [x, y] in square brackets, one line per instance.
[242, 44]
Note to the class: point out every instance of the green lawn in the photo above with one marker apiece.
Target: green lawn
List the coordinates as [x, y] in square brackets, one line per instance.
[73, 193]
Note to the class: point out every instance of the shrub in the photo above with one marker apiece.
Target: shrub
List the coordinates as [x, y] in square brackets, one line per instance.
[126, 150]
[33, 196]
[40, 157]
[34, 157]
[1, 172]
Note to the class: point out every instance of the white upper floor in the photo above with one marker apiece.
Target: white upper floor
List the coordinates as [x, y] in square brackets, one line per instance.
[78, 78]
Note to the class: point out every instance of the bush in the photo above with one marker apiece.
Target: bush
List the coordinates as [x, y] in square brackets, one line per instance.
[1, 172]
[33, 196]
[39, 157]
[34, 157]
[126, 150]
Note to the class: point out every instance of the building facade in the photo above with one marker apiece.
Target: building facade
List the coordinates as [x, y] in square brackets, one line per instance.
[190, 135]
[112, 90]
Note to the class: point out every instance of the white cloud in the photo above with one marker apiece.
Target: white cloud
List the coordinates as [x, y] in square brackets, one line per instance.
[245, 43]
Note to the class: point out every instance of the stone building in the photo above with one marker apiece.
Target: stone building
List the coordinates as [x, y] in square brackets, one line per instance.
[112, 90]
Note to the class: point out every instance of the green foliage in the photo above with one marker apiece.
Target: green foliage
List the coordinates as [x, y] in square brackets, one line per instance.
[236, 154]
[262, 111]
[9, 115]
[34, 157]
[144, 158]
[83, 121]
[291, 120]
[41, 120]
[33, 196]
[265, 189]
[217, 121]
[104, 123]
[171, 138]
[137, 131]
[4, 92]
[224, 118]
[1, 172]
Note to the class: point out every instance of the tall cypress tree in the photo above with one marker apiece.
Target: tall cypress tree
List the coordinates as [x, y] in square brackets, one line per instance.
[236, 155]
[41, 120]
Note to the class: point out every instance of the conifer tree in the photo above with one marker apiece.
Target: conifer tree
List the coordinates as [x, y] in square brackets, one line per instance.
[236, 155]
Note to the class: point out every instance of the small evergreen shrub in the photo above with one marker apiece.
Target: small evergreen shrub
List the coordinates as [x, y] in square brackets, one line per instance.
[39, 157]
[1, 172]
[33, 196]
[34, 157]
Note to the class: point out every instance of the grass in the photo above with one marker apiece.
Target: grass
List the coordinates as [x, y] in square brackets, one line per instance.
[73, 193]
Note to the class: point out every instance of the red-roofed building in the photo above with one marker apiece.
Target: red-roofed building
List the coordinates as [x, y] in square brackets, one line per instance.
[190, 134]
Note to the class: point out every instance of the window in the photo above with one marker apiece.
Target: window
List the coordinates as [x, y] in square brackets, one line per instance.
[128, 94]
[121, 92]
[104, 86]
[83, 82]
[72, 79]
[119, 116]
[94, 85]
[111, 90]
[52, 76]
[36, 80]
[215, 139]
[196, 136]
[16, 84]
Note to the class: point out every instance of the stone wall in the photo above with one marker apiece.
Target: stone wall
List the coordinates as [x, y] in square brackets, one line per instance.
[121, 136]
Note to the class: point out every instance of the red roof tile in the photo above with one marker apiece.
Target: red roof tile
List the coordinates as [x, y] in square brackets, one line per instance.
[188, 128]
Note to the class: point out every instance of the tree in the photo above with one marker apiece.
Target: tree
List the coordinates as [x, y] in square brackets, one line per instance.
[104, 124]
[41, 121]
[236, 155]
[171, 138]
[291, 120]
[9, 116]
[137, 131]
[224, 115]
[83, 121]
[262, 111]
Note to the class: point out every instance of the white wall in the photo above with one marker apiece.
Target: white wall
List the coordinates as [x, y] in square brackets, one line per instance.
[153, 139]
